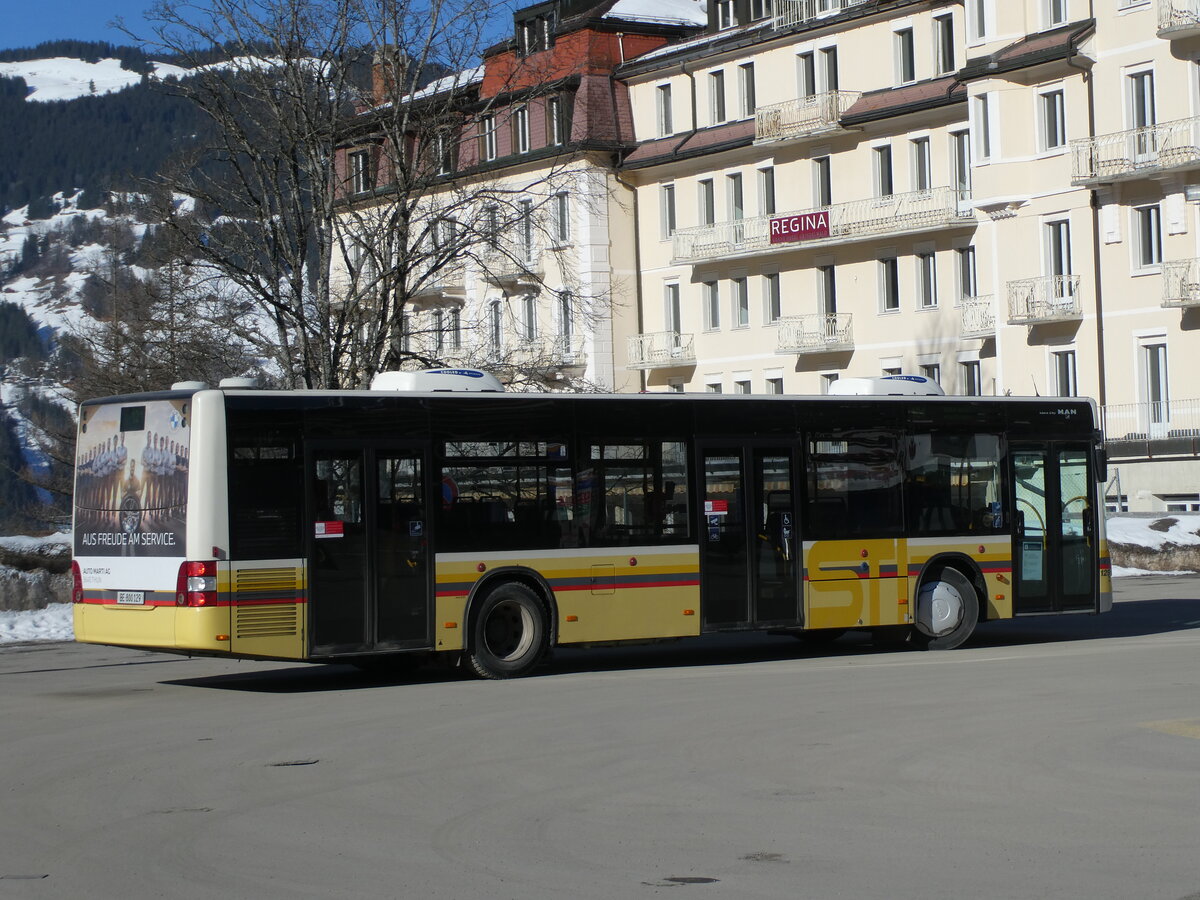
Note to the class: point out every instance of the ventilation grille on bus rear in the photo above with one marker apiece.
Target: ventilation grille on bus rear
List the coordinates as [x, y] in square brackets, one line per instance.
[266, 621]
[254, 580]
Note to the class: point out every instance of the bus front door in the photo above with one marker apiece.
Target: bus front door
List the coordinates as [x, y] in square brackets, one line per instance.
[749, 535]
[368, 549]
[1054, 549]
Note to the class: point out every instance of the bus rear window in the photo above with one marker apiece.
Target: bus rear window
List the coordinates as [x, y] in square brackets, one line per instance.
[133, 418]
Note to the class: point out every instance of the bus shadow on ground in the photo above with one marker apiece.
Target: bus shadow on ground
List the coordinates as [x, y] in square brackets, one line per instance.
[1126, 620]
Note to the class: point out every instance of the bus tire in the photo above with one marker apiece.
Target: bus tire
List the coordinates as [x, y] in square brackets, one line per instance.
[947, 611]
[509, 634]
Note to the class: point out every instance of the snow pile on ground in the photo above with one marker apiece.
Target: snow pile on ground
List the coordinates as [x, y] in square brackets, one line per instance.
[50, 624]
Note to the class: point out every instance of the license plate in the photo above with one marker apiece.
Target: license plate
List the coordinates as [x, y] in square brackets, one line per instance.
[131, 598]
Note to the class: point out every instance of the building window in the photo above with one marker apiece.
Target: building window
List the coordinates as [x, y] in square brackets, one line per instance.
[712, 305]
[977, 20]
[822, 181]
[884, 185]
[675, 385]
[707, 202]
[961, 151]
[922, 168]
[443, 153]
[981, 107]
[761, 9]
[766, 191]
[526, 230]
[735, 197]
[521, 129]
[827, 381]
[361, 180]
[774, 385]
[746, 89]
[1148, 237]
[667, 211]
[741, 387]
[889, 284]
[972, 382]
[906, 63]
[1065, 384]
[726, 14]
[943, 44]
[666, 122]
[1055, 12]
[455, 329]
[716, 97]
[554, 122]
[495, 325]
[806, 74]
[772, 299]
[1155, 395]
[968, 285]
[829, 68]
[529, 317]
[1140, 91]
[535, 33]
[487, 127]
[1181, 502]
[562, 217]
[741, 303]
[566, 314]
[827, 290]
[672, 312]
[933, 372]
[927, 280]
[1058, 248]
[712, 387]
[1052, 120]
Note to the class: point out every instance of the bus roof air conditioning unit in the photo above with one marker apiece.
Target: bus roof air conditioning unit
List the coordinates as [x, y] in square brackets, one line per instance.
[887, 386]
[432, 380]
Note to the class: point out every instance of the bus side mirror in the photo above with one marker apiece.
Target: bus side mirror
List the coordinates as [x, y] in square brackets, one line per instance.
[1101, 465]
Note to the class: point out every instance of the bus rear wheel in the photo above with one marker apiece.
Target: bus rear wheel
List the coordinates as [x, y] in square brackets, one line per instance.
[947, 611]
[509, 634]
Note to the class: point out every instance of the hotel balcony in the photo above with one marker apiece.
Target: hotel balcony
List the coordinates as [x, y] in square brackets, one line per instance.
[1043, 300]
[815, 333]
[1178, 18]
[977, 317]
[1155, 420]
[841, 223]
[793, 13]
[661, 350]
[1181, 283]
[447, 284]
[551, 351]
[513, 267]
[805, 117]
[1136, 153]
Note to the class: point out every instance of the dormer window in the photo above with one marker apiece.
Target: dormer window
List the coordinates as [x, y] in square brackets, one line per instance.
[361, 177]
[535, 33]
[726, 14]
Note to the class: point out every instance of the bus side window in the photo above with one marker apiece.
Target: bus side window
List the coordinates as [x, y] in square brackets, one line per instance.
[634, 493]
[854, 485]
[952, 483]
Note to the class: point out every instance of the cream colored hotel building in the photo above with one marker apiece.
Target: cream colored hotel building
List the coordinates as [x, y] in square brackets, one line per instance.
[1002, 194]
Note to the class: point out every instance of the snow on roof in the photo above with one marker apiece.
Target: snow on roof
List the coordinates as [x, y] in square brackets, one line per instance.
[661, 12]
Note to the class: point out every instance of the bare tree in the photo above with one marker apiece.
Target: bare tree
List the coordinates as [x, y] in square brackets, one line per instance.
[347, 215]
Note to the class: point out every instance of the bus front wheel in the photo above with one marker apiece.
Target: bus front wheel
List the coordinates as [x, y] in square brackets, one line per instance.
[509, 634]
[947, 611]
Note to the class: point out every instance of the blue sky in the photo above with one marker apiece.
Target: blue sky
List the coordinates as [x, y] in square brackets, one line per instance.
[29, 22]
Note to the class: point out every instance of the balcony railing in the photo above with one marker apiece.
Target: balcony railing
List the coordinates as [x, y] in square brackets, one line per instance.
[661, 350]
[847, 222]
[803, 117]
[1153, 420]
[1136, 152]
[511, 266]
[1178, 18]
[1048, 298]
[448, 283]
[977, 317]
[815, 333]
[552, 351]
[1181, 283]
[791, 13]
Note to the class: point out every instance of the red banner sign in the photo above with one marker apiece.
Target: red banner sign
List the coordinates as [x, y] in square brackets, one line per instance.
[801, 227]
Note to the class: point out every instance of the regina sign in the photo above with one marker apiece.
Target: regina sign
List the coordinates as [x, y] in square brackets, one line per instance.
[801, 227]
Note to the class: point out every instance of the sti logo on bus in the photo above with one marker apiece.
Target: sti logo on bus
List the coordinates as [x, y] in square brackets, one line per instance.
[802, 227]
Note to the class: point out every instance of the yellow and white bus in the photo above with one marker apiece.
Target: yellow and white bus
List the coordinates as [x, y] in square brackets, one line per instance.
[375, 526]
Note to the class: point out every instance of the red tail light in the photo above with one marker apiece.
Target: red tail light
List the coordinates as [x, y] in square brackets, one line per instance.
[197, 584]
[76, 583]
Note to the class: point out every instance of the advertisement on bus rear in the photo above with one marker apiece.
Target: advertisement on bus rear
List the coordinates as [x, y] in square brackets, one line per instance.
[131, 479]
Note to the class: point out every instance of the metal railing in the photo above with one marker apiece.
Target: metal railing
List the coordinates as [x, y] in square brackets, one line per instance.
[815, 333]
[803, 117]
[661, 349]
[790, 13]
[977, 316]
[1048, 298]
[449, 281]
[1151, 420]
[1178, 18]
[856, 220]
[512, 264]
[1181, 282]
[552, 350]
[1124, 154]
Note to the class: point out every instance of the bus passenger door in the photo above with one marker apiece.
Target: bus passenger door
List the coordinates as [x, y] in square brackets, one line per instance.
[368, 573]
[749, 537]
[1055, 557]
